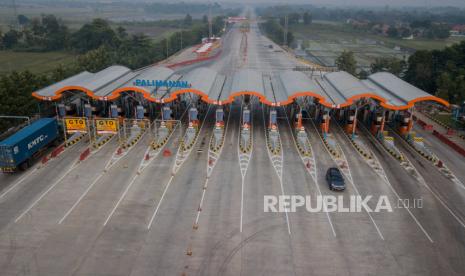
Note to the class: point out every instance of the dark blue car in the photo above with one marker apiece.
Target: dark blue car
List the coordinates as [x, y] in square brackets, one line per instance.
[335, 179]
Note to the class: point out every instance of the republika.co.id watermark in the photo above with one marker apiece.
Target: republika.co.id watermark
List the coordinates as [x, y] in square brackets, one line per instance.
[341, 204]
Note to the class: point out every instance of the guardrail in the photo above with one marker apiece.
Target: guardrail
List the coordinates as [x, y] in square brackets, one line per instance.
[450, 143]
[423, 124]
[192, 61]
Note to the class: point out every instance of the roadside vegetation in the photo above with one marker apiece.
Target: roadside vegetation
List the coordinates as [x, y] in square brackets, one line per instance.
[432, 59]
[439, 72]
[95, 46]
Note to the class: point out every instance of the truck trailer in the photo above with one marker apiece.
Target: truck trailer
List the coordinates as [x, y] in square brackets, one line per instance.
[18, 150]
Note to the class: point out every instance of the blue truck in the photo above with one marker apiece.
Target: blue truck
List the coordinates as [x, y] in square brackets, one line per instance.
[18, 150]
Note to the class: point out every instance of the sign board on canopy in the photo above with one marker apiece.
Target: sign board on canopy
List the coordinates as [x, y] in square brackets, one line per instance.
[106, 126]
[161, 83]
[74, 125]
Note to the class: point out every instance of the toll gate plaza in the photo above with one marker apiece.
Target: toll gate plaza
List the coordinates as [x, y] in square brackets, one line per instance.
[166, 170]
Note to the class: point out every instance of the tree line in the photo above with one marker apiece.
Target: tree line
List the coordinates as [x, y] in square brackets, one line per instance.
[438, 72]
[99, 46]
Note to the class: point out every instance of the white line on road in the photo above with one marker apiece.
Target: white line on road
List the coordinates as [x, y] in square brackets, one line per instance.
[421, 180]
[120, 199]
[179, 166]
[81, 197]
[280, 174]
[358, 193]
[19, 181]
[201, 201]
[242, 204]
[47, 191]
[350, 180]
[315, 182]
[385, 179]
[152, 219]
[107, 167]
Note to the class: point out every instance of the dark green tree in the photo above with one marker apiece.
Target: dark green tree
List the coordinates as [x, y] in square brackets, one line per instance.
[346, 62]
[10, 39]
[392, 32]
[94, 35]
[122, 33]
[391, 65]
[187, 20]
[23, 20]
[97, 59]
[307, 18]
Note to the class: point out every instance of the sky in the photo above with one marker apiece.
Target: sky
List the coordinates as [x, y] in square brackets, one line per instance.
[393, 3]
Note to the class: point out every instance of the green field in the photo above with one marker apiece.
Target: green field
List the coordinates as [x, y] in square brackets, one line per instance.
[337, 32]
[34, 62]
[324, 42]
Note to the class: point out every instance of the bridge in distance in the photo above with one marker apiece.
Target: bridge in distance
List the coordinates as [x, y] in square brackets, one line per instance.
[179, 190]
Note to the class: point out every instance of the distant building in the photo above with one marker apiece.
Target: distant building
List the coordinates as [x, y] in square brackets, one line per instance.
[236, 19]
[357, 23]
[457, 30]
[381, 28]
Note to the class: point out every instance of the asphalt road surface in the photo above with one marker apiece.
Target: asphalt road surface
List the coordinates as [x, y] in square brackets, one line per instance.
[71, 218]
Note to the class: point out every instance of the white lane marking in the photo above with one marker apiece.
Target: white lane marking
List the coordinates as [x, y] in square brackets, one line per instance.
[120, 199]
[19, 181]
[246, 157]
[172, 176]
[107, 167]
[152, 219]
[386, 181]
[32, 170]
[279, 173]
[81, 197]
[212, 154]
[182, 155]
[350, 181]
[201, 201]
[139, 172]
[358, 193]
[315, 182]
[47, 191]
[242, 205]
[115, 158]
[216, 156]
[422, 181]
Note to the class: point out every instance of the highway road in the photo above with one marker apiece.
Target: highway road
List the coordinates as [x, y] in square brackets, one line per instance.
[82, 219]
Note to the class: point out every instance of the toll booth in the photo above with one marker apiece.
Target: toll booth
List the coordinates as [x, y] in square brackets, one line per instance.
[114, 112]
[298, 121]
[350, 126]
[166, 113]
[403, 123]
[87, 111]
[140, 111]
[325, 123]
[193, 116]
[273, 118]
[378, 123]
[246, 117]
[61, 110]
[219, 115]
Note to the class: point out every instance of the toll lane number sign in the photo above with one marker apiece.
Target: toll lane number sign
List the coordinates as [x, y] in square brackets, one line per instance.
[106, 126]
[75, 125]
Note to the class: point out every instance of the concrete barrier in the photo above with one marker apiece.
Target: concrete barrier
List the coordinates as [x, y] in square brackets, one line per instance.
[450, 143]
[192, 61]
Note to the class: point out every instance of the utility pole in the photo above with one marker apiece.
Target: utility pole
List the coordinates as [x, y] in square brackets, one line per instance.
[210, 31]
[285, 30]
[167, 48]
[181, 39]
[15, 11]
